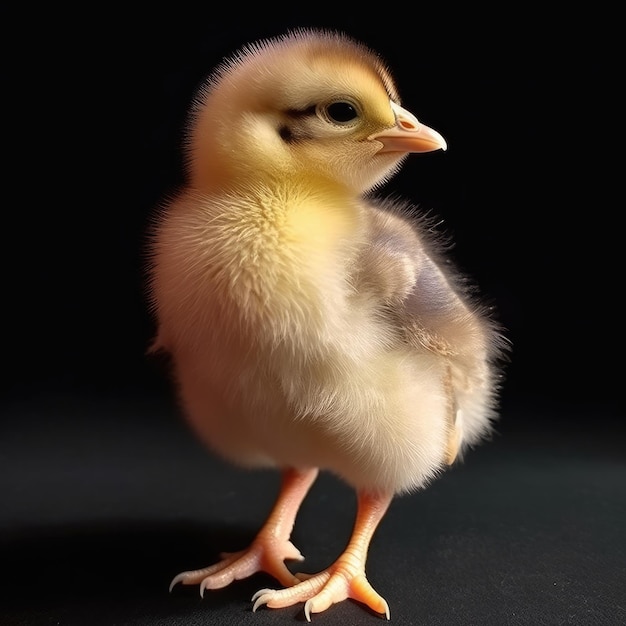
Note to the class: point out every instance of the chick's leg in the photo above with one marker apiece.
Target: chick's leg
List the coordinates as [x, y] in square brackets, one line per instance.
[345, 578]
[270, 548]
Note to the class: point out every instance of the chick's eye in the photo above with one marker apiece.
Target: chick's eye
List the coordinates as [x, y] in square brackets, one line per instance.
[341, 112]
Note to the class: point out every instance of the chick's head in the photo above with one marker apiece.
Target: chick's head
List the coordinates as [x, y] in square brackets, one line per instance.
[308, 105]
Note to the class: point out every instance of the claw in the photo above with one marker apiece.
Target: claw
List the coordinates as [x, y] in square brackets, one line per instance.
[307, 610]
[259, 593]
[174, 582]
[177, 579]
[387, 613]
[260, 598]
[292, 553]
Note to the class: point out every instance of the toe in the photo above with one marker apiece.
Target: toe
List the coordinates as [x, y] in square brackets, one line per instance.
[362, 591]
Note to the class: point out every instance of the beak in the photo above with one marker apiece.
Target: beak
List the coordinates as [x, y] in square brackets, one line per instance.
[408, 135]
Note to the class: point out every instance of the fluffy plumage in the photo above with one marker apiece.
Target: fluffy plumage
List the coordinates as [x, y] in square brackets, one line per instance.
[311, 326]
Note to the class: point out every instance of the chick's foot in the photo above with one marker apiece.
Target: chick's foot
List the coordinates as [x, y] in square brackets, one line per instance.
[322, 590]
[269, 550]
[265, 554]
[345, 578]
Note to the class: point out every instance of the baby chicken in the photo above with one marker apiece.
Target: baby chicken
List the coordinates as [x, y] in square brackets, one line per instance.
[311, 326]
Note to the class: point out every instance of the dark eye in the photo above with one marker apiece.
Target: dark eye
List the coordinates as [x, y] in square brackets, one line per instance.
[341, 112]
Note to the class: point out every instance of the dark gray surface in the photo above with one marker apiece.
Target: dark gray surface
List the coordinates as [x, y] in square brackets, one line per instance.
[105, 500]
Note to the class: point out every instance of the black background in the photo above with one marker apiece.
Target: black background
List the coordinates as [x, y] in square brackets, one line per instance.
[107, 494]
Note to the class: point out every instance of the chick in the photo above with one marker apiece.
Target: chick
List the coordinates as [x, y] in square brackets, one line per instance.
[310, 325]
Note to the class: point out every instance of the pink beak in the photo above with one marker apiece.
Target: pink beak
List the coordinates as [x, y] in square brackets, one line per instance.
[408, 135]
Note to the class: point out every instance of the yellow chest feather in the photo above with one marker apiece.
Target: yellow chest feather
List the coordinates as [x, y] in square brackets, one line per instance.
[276, 257]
